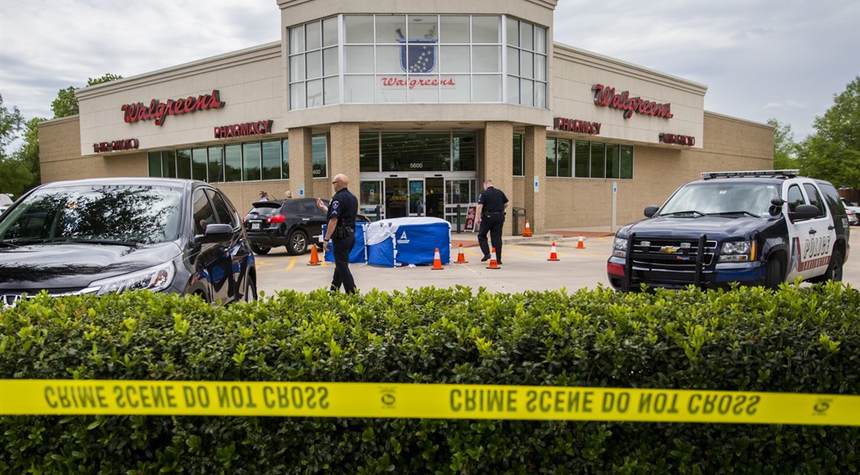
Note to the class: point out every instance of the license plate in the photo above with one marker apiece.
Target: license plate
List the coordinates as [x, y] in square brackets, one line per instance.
[255, 226]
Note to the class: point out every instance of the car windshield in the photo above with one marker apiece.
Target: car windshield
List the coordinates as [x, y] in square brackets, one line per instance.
[722, 198]
[264, 210]
[5, 200]
[106, 213]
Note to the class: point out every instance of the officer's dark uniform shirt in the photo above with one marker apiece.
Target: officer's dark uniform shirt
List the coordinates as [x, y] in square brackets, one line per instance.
[493, 201]
[344, 207]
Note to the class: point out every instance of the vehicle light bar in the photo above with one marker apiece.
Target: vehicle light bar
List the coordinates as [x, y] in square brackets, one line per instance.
[751, 174]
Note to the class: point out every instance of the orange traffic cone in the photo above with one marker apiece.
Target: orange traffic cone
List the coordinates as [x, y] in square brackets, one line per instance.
[553, 253]
[437, 260]
[581, 243]
[461, 257]
[527, 232]
[315, 257]
[494, 264]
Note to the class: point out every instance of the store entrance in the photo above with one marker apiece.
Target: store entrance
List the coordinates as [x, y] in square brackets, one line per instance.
[396, 198]
[414, 195]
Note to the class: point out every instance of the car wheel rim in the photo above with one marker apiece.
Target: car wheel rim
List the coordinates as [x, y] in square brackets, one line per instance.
[298, 242]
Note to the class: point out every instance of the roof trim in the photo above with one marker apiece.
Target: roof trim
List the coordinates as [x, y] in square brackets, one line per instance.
[213, 63]
[590, 58]
[738, 119]
[59, 120]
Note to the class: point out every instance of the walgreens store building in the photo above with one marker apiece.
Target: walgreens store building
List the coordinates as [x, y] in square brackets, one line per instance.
[417, 102]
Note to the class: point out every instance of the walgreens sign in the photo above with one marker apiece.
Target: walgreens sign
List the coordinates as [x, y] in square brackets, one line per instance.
[158, 111]
[605, 96]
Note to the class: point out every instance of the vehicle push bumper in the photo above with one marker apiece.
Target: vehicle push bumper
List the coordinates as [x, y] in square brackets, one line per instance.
[691, 265]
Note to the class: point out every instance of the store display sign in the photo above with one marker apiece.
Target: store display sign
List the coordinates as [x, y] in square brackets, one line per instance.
[675, 139]
[605, 96]
[577, 126]
[260, 127]
[116, 145]
[158, 111]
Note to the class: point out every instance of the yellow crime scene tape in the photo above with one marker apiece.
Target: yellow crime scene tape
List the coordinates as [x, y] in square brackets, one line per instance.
[421, 401]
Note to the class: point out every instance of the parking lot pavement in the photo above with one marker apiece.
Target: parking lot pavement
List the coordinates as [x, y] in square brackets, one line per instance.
[525, 268]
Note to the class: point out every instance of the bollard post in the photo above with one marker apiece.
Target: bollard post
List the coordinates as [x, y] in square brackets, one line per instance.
[378, 212]
[459, 221]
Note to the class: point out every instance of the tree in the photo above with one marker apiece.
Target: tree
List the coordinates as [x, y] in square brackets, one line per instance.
[10, 124]
[66, 103]
[784, 146]
[28, 154]
[833, 151]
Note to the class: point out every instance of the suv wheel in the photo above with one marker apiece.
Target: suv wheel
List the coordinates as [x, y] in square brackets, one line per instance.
[262, 251]
[834, 270]
[297, 243]
[774, 274]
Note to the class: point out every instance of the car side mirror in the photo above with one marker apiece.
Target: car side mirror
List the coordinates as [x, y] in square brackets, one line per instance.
[215, 233]
[776, 206]
[804, 212]
[651, 211]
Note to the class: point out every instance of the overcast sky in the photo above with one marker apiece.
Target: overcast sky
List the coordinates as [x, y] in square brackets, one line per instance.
[760, 59]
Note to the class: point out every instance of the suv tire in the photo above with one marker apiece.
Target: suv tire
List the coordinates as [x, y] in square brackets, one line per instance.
[834, 269]
[297, 243]
[774, 274]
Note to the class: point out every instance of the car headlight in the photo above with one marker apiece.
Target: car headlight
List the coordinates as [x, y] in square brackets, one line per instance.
[619, 247]
[155, 279]
[738, 251]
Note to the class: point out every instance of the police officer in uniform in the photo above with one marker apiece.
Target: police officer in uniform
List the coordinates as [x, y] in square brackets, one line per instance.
[492, 204]
[341, 214]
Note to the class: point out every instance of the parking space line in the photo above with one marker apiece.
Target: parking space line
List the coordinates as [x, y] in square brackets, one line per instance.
[292, 263]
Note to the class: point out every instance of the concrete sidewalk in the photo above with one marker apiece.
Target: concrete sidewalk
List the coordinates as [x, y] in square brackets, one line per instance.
[471, 239]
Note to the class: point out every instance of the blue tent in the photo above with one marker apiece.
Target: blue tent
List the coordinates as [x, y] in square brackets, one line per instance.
[406, 241]
[358, 253]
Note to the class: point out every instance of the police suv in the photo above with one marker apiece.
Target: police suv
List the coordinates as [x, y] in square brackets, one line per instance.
[753, 227]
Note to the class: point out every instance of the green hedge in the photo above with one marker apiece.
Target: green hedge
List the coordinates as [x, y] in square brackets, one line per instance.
[804, 339]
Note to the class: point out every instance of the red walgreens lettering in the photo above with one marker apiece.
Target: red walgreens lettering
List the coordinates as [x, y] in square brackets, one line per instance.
[675, 139]
[116, 145]
[577, 126]
[414, 82]
[605, 96]
[240, 130]
[159, 111]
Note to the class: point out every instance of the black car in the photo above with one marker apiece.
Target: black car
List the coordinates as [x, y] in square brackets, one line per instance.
[113, 235]
[757, 228]
[294, 223]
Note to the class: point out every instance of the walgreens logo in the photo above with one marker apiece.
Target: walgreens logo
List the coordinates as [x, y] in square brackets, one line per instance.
[605, 96]
[158, 111]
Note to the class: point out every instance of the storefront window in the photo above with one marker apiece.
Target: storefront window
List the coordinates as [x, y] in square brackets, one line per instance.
[518, 155]
[598, 160]
[371, 198]
[313, 63]
[455, 29]
[416, 152]
[551, 158]
[626, 161]
[582, 159]
[233, 162]
[183, 164]
[198, 164]
[285, 159]
[613, 161]
[565, 158]
[272, 160]
[154, 159]
[319, 156]
[368, 152]
[216, 164]
[464, 152]
[168, 164]
[251, 161]
[526, 68]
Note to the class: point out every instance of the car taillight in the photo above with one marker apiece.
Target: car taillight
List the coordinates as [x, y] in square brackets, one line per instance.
[277, 219]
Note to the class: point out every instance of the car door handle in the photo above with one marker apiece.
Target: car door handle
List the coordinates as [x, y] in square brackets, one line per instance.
[812, 231]
[831, 228]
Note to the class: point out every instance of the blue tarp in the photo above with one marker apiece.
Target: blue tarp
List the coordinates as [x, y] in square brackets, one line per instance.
[405, 241]
[357, 255]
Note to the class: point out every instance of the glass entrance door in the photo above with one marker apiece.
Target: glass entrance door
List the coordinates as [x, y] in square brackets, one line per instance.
[435, 197]
[396, 197]
[416, 197]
